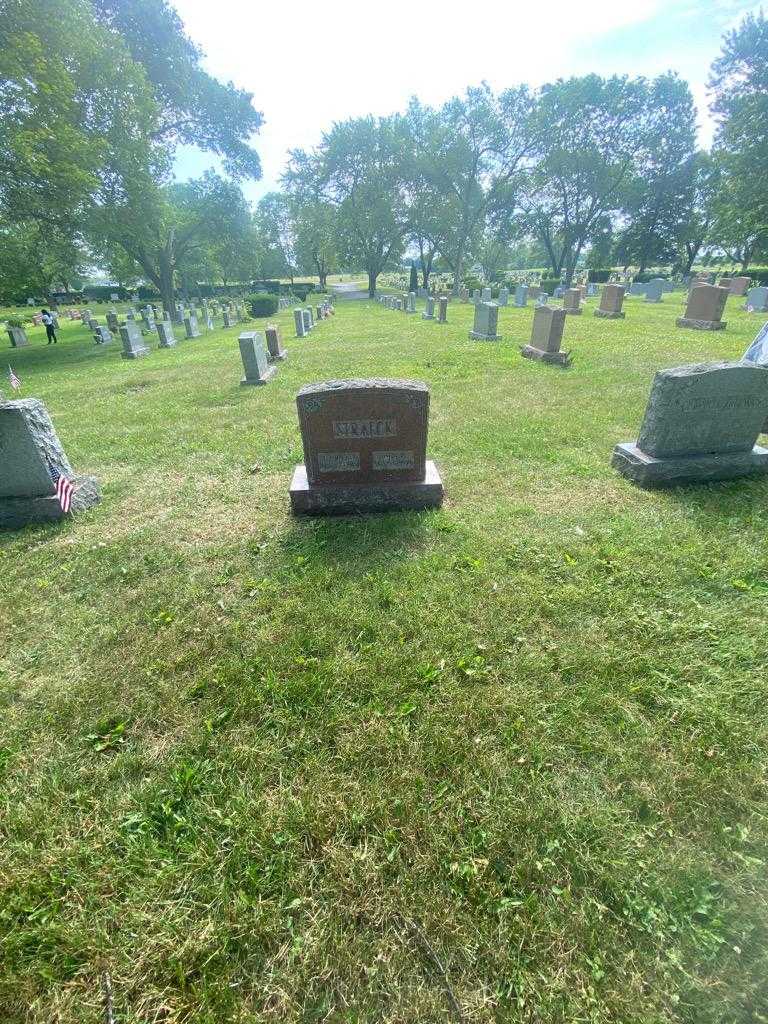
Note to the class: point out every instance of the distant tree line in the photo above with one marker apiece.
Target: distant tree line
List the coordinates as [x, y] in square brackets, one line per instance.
[602, 171]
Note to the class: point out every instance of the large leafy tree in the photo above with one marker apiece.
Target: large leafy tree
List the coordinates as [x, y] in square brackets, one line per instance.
[36, 258]
[276, 225]
[660, 190]
[166, 229]
[316, 242]
[600, 135]
[95, 98]
[72, 102]
[358, 170]
[739, 82]
[467, 161]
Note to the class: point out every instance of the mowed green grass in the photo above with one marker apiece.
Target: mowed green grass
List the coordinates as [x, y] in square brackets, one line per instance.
[501, 762]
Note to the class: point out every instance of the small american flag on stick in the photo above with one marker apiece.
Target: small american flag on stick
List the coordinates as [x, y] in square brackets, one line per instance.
[15, 382]
[64, 489]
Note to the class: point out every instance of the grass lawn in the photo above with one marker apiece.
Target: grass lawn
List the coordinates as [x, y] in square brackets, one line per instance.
[501, 762]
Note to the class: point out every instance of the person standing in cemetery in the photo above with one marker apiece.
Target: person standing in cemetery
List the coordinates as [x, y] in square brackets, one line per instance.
[50, 330]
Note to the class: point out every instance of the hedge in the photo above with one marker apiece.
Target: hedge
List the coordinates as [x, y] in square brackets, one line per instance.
[263, 304]
[601, 276]
[548, 284]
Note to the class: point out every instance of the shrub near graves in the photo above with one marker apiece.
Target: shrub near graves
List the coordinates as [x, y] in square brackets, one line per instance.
[263, 304]
[548, 285]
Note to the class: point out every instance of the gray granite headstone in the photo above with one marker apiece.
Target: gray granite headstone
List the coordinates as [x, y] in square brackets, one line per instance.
[701, 423]
[102, 335]
[307, 317]
[504, 297]
[29, 452]
[165, 333]
[486, 296]
[298, 321]
[442, 309]
[757, 300]
[521, 295]
[253, 352]
[275, 348]
[654, 289]
[429, 312]
[228, 319]
[190, 326]
[133, 343]
[486, 322]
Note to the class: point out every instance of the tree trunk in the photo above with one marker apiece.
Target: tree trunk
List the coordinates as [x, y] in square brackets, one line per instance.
[457, 273]
[323, 275]
[165, 266]
[372, 275]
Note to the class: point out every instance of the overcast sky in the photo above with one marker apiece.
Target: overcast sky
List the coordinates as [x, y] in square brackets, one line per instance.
[309, 65]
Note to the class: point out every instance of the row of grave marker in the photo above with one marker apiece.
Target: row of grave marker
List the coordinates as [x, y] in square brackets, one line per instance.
[365, 441]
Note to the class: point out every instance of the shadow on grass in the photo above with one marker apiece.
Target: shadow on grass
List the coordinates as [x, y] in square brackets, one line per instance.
[356, 544]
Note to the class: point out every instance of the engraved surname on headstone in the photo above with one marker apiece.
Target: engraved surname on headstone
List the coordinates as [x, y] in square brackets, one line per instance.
[365, 428]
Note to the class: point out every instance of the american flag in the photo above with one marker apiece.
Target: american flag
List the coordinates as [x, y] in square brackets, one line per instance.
[64, 489]
[15, 382]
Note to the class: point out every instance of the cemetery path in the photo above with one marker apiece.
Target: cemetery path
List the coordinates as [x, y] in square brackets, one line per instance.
[349, 290]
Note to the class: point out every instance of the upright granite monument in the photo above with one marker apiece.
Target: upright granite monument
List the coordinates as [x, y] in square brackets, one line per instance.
[757, 300]
[485, 327]
[572, 301]
[365, 445]
[298, 320]
[429, 312]
[275, 349]
[31, 457]
[701, 423]
[704, 310]
[611, 301]
[442, 309]
[133, 343]
[253, 352]
[547, 336]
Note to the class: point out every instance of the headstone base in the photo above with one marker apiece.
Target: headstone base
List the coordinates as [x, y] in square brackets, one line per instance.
[338, 499]
[135, 353]
[426, 316]
[606, 314]
[701, 325]
[574, 312]
[16, 513]
[647, 471]
[558, 358]
[271, 371]
[477, 336]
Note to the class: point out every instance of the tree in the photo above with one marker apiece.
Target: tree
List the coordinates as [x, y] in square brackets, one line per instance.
[277, 228]
[71, 99]
[315, 228]
[739, 81]
[35, 259]
[696, 216]
[469, 157]
[163, 228]
[193, 108]
[601, 134]
[92, 109]
[357, 169]
[659, 191]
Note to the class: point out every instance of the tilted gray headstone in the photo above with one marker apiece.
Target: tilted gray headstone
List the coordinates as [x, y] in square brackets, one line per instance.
[253, 352]
[133, 343]
[30, 452]
[701, 423]
[165, 334]
[190, 326]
